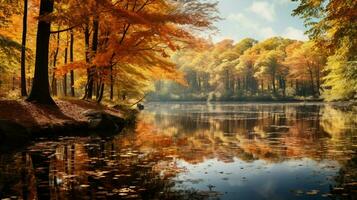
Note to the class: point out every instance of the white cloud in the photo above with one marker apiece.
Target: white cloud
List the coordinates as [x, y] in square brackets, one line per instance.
[263, 9]
[267, 32]
[294, 33]
[250, 26]
[243, 20]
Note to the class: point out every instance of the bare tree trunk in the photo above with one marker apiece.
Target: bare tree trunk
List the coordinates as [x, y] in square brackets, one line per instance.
[65, 75]
[284, 86]
[100, 97]
[54, 80]
[13, 82]
[54, 84]
[87, 56]
[111, 83]
[94, 50]
[40, 92]
[273, 83]
[71, 59]
[318, 84]
[23, 51]
[65, 85]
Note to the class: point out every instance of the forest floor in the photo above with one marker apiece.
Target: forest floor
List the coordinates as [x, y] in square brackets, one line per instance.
[22, 121]
[67, 111]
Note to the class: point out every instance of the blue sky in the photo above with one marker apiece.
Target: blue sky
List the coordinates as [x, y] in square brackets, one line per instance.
[258, 19]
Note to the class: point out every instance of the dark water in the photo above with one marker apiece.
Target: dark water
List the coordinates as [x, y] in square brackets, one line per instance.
[198, 151]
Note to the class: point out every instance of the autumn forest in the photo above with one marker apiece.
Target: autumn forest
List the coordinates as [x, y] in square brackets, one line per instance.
[127, 49]
[178, 99]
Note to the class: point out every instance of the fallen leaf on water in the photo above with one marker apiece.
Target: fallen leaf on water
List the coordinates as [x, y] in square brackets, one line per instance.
[312, 192]
[84, 186]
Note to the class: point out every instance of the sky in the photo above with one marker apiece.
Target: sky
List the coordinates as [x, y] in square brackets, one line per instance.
[258, 19]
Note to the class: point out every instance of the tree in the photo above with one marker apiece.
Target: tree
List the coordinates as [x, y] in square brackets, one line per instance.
[40, 92]
[23, 51]
[71, 60]
[270, 64]
[306, 62]
[333, 26]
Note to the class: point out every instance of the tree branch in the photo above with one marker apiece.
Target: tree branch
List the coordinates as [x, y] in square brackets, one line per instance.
[63, 30]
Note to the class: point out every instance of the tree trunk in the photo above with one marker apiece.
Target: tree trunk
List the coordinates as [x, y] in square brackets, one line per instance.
[40, 92]
[94, 50]
[54, 80]
[13, 82]
[65, 85]
[111, 83]
[101, 92]
[86, 41]
[273, 82]
[284, 86]
[23, 51]
[65, 75]
[54, 84]
[318, 84]
[71, 59]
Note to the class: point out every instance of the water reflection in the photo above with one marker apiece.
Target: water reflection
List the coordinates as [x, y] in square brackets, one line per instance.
[198, 151]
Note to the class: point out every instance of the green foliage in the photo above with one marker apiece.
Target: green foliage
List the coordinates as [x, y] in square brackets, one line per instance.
[341, 81]
[9, 53]
[332, 26]
[248, 70]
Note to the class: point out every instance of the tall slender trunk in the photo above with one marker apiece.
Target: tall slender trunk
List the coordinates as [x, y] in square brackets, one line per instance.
[284, 86]
[65, 85]
[23, 51]
[111, 83]
[54, 80]
[71, 59]
[86, 41]
[13, 82]
[101, 92]
[65, 75]
[273, 83]
[40, 92]
[318, 84]
[91, 71]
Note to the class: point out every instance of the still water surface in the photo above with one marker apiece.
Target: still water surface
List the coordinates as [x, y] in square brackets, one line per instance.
[198, 151]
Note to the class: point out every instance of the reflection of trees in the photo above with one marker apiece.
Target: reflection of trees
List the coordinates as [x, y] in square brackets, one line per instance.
[17, 176]
[338, 121]
[142, 165]
[346, 181]
[272, 133]
[90, 169]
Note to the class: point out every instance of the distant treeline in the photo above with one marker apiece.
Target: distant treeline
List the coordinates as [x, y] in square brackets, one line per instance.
[276, 68]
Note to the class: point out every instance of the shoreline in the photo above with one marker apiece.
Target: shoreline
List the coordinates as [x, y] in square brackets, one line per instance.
[22, 122]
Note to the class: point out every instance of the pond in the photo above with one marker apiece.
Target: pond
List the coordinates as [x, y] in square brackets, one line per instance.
[198, 151]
